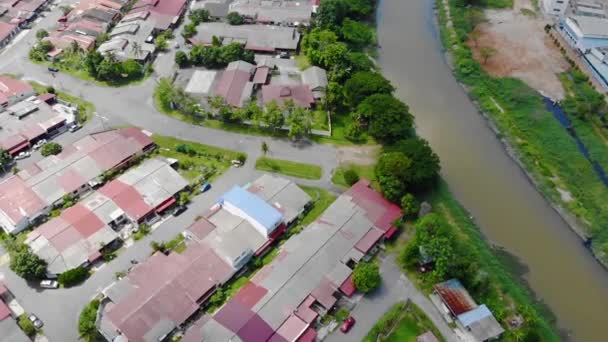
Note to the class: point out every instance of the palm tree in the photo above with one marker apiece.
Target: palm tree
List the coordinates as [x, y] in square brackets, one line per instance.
[136, 49]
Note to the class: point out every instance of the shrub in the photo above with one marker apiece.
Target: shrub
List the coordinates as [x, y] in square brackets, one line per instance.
[51, 148]
[242, 157]
[366, 277]
[26, 325]
[235, 19]
[74, 276]
[409, 205]
[86, 322]
[351, 177]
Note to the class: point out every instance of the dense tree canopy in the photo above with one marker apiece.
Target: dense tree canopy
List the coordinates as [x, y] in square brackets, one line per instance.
[356, 33]
[366, 277]
[25, 263]
[425, 163]
[363, 84]
[51, 148]
[219, 56]
[86, 322]
[331, 13]
[181, 59]
[299, 121]
[73, 276]
[199, 15]
[387, 118]
[391, 172]
[235, 19]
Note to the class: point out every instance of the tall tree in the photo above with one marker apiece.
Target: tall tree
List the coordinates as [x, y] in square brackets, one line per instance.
[365, 83]
[425, 163]
[299, 122]
[387, 118]
[273, 116]
[391, 171]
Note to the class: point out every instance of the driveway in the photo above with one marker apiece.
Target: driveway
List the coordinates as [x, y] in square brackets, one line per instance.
[395, 287]
[59, 309]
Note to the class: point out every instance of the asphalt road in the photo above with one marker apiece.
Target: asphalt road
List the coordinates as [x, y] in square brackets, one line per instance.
[133, 105]
[395, 287]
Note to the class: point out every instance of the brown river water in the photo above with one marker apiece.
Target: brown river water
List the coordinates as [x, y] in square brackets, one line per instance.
[507, 207]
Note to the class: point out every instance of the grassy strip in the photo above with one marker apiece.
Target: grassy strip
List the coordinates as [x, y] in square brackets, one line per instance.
[507, 293]
[289, 168]
[322, 200]
[85, 108]
[78, 70]
[384, 324]
[196, 161]
[547, 151]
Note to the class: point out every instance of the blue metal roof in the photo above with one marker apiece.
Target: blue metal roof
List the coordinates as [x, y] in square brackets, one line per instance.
[474, 315]
[253, 206]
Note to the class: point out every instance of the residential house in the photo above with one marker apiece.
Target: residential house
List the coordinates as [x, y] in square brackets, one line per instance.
[28, 196]
[585, 33]
[316, 79]
[280, 12]
[162, 293]
[76, 237]
[301, 95]
[474, 320]
[312, 270]
[555, 7]
[9, 329]
[234, 85]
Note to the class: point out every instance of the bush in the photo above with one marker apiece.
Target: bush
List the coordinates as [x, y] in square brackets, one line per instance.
[366, 277]
[51, 148]
[86, 322]
[26, 325]
[242, 157]
[181, 59]
[74, 276]
[409, 205]
[25, 263]
[351, 177]
[235, 19]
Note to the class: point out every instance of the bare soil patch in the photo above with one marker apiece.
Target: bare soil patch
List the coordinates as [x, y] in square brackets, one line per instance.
[522, 48]
[359, 155]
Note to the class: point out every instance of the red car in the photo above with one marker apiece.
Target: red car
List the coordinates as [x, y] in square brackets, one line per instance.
[348, 323]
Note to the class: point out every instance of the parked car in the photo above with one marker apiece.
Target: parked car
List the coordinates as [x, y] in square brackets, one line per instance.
[179, 210]
[49, 284]
[23, 155]
[283, 55]
[74, 127]
[347, 325]
[39, 144]
[205, 187]
[53, 69]
[236, 163]
[36, 321]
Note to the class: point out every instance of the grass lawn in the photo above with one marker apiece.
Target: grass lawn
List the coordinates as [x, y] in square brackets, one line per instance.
[302, 62]
[320, 120]
[364, 171]
[197, 161]
[407, 331]
[405, 321]
[338, 131]
[289, 168]
[85, 108]
[322, 199]
[75, 67]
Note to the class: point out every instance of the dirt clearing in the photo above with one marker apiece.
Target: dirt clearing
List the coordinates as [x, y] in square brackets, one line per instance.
[359, 155]
[521, 48]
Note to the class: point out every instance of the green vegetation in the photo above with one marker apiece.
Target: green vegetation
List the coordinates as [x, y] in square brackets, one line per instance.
[459, 250]
[321, 198]
[217, 56]
[86, 322]
[23, 262]
[289, 168]
[362, 171]
[547, 151]
[5, 158]
[141, 232]
[51, 148]
[85, 108]
[402, 323]
[366, 276]
[234, 18]
[92, 66]
[26, 325]
[73, 277]
[197, 162]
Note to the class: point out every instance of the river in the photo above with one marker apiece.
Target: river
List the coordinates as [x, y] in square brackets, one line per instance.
[507, 207]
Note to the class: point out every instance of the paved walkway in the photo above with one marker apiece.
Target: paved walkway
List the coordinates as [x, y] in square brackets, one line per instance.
[395, 287]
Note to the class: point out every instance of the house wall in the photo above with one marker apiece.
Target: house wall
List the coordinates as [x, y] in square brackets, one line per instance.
[556, 7]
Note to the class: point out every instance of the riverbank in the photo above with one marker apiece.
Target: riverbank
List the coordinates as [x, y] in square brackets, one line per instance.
[532, 137]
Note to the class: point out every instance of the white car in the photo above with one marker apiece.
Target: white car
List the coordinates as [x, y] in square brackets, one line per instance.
[49, 284]
[39, 144]
[36, 321]
[73, 128]
[23, 155]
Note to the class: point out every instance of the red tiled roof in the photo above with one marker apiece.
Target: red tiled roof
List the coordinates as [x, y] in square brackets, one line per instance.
[168, 288]
[166, 204]
[170, 7]
[310, 335]
[369, 240]
[71, 180]
[379, 210]
[261, 75]
[323, 293]
[305, 311]
[83, 220]
[250, 294]
[18, 200]
[455, 297]
[301, 95]
[291, 329]
[11, 87]
[127, 198]
[201, 228]
[5, 312]
[231, 86]
[6, 29]
[46, 97]
[348, 286]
